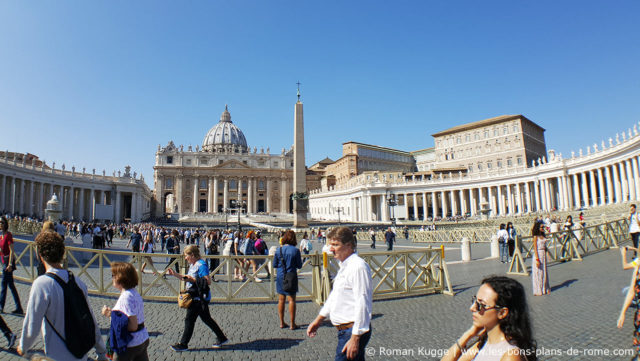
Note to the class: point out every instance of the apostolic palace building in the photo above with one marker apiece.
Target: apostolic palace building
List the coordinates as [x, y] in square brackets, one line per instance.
[497, 166]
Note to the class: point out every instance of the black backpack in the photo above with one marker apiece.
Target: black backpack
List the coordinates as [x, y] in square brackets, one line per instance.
[79, 326]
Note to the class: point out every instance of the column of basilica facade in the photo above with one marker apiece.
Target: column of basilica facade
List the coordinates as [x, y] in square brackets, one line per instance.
[604, 175]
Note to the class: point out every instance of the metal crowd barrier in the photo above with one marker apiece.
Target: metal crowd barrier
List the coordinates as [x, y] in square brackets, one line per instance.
[572, 245]
[394, 274]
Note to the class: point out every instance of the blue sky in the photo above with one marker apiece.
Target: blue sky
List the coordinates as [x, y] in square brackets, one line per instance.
[99, 84]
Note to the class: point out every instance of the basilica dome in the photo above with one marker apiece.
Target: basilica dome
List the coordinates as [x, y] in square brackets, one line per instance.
[224, 134]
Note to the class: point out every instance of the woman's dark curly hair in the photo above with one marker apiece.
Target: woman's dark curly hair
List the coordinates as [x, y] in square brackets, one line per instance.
[535, 230]
[517, 325]
[50, 246]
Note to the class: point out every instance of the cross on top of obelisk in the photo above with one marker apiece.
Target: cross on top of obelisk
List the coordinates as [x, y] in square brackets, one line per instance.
[298, 90]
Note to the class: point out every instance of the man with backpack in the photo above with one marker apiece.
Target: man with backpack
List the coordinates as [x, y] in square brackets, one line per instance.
[58, 305]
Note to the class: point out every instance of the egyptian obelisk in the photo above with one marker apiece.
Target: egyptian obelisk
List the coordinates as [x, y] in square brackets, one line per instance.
[300, 197]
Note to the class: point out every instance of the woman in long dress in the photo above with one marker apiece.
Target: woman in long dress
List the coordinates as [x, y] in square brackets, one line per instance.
[539, 274]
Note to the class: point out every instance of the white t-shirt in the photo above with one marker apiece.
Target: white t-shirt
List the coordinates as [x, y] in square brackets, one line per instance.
[130, 303]
[634, 227]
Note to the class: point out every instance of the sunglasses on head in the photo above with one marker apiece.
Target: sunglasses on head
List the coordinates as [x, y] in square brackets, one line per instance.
[481, 307]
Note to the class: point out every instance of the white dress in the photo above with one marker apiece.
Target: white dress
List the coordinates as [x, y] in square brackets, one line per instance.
[494, 352]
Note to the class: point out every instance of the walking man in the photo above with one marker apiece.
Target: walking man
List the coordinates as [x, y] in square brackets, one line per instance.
[349, 303]
[390, 238]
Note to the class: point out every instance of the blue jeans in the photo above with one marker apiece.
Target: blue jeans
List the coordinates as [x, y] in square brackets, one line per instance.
[344, 336]
[504, 251]
[7, 281]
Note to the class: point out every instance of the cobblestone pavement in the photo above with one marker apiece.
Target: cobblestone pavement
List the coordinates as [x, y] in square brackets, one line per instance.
[578, 319]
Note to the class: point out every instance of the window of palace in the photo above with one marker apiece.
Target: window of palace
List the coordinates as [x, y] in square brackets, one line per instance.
[233, 184]
[203, 184]
[275, 164]
[519, 160]
[505, 130]
[476, 136]
[458, 140]
[244, 162]
[168, 183]
[479, 166]
[495, 132]
[467, 137]
[220, 161]
[486, 134]
[499, 163]
[170, 159]
[515, 128]
[509, 162]
[203, 161]
[489, 165]
[470, 168]
[261, 184]
[188, 161]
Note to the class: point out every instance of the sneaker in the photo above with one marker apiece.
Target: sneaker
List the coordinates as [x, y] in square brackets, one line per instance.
[12, 340]
[220, 343]
[258, 280]
[179, 347]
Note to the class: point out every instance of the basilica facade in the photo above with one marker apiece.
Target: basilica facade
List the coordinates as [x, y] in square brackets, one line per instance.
[224, 173]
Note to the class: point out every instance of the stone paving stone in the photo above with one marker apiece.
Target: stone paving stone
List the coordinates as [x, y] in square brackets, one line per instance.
[580, 313]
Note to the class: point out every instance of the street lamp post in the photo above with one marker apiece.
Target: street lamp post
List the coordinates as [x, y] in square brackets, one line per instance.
[237, 206]
[338, 209]
[391, 201]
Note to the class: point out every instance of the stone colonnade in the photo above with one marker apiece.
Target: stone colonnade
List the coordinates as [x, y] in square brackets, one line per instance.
[557, 185]
[25, 190]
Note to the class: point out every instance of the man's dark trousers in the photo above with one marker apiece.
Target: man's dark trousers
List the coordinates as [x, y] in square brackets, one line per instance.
[344, 336]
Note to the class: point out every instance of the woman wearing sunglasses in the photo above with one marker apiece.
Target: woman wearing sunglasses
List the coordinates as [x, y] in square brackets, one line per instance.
[500, 323]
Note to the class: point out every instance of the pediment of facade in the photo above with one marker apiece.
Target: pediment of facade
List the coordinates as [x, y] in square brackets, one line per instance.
[232, 164]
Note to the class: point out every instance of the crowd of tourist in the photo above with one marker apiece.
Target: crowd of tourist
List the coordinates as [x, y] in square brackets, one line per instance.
[501, 322]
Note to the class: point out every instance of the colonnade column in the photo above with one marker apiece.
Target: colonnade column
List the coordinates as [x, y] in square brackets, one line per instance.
[443, 200]
[585, 189]
[527, 192]
[452, 201]
[473, 206]
[492, 202]
[630, 180]
[500, 203]
[577, 203]
[594, 194]
[434, 205]
[518, 198]
[72, 196]
[601, 187]
[118, 215]
[636, 180]
[616, 182]
[3, 185]
[415, 206]
[463, 203]
[92, 205]
[609, 181]
[81, 204]
[623, 180]
[385, 209]
[567, 193]
[424, 206]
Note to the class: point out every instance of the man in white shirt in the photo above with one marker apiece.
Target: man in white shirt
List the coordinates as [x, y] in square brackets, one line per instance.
[349, 304]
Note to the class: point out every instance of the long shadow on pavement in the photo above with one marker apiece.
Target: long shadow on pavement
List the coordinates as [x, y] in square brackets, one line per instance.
[258, 345]
[566, 283]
